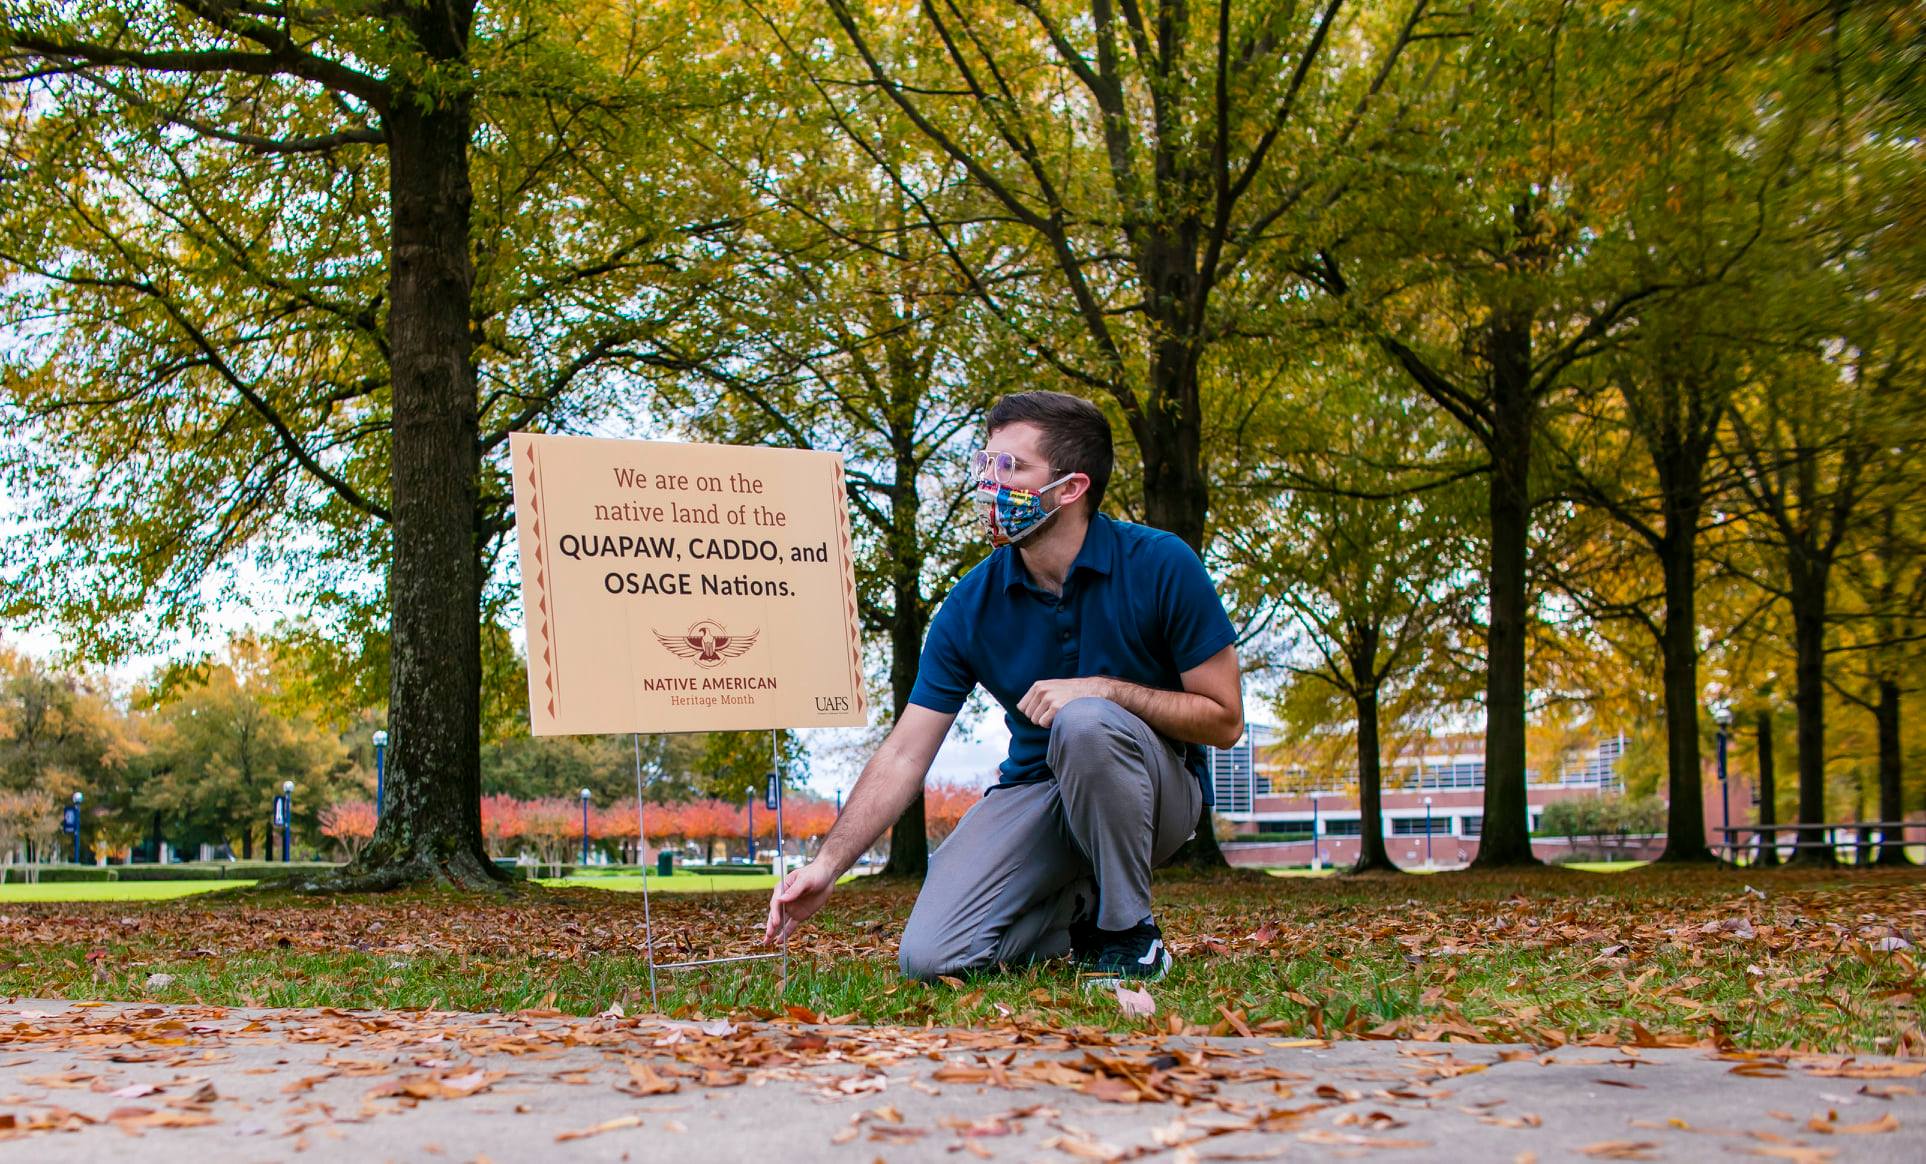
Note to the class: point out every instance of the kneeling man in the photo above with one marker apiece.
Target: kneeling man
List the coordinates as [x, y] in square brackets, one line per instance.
[1110, 652]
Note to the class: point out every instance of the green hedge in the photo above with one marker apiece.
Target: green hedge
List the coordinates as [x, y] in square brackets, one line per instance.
[168, 873]
[50, 874]
[727, 870]
[256, 870]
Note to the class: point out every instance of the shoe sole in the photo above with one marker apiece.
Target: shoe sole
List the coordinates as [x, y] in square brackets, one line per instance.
[1112, 981]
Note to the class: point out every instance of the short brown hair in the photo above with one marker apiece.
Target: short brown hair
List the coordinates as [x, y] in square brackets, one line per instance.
[1076, 437]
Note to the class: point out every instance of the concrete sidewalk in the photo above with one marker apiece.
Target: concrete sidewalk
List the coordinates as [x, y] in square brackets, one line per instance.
[84, 1082]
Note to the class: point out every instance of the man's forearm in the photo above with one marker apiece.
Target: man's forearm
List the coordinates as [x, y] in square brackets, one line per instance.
[1179, 715]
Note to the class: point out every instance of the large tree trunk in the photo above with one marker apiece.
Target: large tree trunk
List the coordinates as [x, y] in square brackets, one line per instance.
[1685, 816]
[1372, 855]
[1176, 494]
[1506, 837]
[430, 826]
[1892, 808]
[909, 837]
[1809, 702]
[1768, 794]
[1169, 436]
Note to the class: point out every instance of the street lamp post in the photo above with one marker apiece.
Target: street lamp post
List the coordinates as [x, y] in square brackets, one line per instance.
[1427, 832]
[381, 748]
[287, 821]
[1316, 861]
[77, 799]
[1722, 716]
[749, 799]
[585, 800]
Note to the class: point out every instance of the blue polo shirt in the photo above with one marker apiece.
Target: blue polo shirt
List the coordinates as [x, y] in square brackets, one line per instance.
[1137, 605]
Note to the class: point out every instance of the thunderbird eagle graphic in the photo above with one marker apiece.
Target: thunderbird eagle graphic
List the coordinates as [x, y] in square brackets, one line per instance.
[708, 643]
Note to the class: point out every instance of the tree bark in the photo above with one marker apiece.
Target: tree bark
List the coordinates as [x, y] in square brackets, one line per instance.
[1506, 836]
[430, 826]
[1892, 807]
[909, 837]
[1768, 794]
[1809, 702]
[1685, 815]
[1176, 495]
[1169, 435]
[1372, 854]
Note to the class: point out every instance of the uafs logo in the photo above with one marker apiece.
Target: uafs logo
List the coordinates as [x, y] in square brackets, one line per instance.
[707, 642]
[829, 703]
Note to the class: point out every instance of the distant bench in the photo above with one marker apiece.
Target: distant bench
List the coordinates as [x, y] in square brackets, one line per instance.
[1865, 835]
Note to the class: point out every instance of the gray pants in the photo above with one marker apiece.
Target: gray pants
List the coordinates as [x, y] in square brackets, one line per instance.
[1029, 859]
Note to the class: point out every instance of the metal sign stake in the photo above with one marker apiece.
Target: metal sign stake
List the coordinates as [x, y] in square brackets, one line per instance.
[648, 920]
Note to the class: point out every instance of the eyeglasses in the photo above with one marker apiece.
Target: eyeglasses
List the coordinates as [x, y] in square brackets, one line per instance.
[998, 467]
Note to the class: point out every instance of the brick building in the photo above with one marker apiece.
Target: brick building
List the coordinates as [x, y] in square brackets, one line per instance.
[1433, 801]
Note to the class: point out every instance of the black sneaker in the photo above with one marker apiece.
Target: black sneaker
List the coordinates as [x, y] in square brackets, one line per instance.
[1137, 954]
[1086, 942]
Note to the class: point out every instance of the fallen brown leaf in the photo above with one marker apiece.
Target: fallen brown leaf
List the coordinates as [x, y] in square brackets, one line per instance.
[1830, 1126]
[1620, 1150]
[616, 1124]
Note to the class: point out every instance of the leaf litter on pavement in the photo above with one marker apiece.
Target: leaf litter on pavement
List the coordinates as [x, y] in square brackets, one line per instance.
[1036, 1037]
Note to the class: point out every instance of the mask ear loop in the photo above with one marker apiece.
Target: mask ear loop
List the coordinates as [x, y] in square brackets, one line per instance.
[1040, 491]
[1047, 514]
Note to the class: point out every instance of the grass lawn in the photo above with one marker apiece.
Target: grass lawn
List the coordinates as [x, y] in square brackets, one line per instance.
[1814, 959]
[111, 890]
[165, 890]
[680, 883]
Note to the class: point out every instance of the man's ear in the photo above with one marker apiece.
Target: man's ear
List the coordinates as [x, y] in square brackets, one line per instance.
[1073, 490]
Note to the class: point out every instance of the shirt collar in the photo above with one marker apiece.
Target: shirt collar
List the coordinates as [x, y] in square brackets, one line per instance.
[1098, 554]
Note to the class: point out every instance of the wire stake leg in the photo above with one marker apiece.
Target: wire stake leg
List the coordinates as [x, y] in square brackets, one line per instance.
[641, 842]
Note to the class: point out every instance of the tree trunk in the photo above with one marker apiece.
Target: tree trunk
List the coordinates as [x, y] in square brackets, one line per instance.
[430, 826]
[1809, 702]
[1372, 855]
[909, 837]
[1685, 816]
[1768, 794]
[247, 842]
[1176, 493]
[1506, 837]
[1169, 434]
[1892, 807]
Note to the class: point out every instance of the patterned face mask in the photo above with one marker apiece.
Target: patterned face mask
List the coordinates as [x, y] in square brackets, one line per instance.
[1010, 515]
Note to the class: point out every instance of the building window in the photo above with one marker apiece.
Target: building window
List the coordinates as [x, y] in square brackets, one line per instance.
[1471, 826]
[1413, 826]
[1453, 774]
[1343, 828]
[1275, 825]
[1231, 775]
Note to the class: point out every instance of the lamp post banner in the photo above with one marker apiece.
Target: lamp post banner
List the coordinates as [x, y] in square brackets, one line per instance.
[672, 587]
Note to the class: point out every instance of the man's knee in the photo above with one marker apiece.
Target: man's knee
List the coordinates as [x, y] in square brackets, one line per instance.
[1095, 739]
[927, 957]
[1087, 720]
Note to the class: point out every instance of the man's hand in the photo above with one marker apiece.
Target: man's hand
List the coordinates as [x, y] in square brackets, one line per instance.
[801, 894]
[1046, 697]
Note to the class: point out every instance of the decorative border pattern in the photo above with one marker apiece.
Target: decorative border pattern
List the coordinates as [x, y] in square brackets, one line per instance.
[840, 499]
[540, 577]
